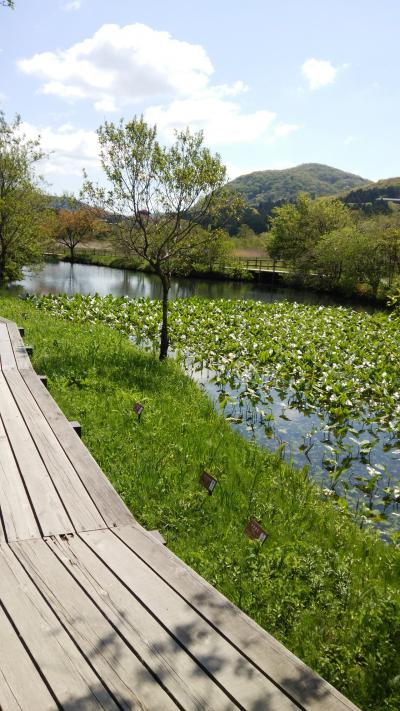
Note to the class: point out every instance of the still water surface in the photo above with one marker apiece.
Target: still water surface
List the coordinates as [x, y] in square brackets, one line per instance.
[61, 277]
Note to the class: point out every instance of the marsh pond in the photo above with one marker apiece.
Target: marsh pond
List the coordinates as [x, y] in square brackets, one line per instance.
[298, 372]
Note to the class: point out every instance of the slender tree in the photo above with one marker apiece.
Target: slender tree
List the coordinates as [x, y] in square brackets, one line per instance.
[159, 195]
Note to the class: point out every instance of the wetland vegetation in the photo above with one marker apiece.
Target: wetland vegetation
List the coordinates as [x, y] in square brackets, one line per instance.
[335, 369]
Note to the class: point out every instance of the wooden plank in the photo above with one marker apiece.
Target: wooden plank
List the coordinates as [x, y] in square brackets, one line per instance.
[17, 513]
[45, 500]
[7, 358]
[81, 509]
[109, 504]
[67, 671]
[225, 665]
[184, 679]
[86, 610]
[307, 688]
[8, 701]
[21, 686]
[21, 356]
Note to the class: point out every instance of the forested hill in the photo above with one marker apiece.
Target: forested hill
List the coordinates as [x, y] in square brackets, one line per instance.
[369, 196]
[270, 186]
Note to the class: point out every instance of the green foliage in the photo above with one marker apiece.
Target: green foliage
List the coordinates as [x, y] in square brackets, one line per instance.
[367, 197]
[322, 237]
[297, 228]
[367, 252]
[22, 204]
[161, 196]
[215, 254]
[324, 588]
[154, 191]
[265, 190]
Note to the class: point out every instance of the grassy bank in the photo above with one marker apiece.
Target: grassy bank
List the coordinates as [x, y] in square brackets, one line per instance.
[327, 590]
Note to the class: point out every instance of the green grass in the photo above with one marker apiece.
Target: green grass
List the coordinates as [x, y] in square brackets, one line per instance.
[327, 590]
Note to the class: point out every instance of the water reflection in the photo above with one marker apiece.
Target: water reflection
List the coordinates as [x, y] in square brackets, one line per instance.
[71, 279]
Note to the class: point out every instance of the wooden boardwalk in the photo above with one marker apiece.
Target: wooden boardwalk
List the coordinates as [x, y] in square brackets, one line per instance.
[95, 613]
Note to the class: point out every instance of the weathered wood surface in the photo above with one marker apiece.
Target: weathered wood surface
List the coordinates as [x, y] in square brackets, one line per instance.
[94, 612]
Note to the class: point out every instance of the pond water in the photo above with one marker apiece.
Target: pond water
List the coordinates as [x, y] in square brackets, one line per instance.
[368, 480]
[65, 278]
[304, 438]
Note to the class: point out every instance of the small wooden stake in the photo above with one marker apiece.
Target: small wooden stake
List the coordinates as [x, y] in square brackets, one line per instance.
[77, 427]
[253, 530]
[208, 481]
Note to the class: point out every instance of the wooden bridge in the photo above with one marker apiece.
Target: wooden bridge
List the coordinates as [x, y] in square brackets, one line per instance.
[95, 613]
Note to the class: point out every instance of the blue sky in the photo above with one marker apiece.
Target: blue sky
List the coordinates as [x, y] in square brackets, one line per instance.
[272, 84]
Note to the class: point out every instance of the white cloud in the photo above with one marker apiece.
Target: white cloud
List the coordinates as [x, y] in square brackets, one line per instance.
[71, 6]
[351, 139]
[121, 65]
[135, 64]
[69, 149]
[285, 129]
[319, 72]
[222, 121]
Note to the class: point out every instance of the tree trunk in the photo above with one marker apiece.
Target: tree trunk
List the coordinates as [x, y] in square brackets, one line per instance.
[72, 253]
[164, 340]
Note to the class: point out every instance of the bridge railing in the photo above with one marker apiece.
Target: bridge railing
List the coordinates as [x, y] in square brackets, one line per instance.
[273, 265]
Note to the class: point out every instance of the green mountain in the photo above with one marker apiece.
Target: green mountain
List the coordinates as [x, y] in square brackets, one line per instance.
[265, 189]
[266, 186]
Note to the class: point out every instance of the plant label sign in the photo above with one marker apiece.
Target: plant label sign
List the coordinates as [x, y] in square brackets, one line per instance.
[208, 482]
[253, 530]
[138, 409]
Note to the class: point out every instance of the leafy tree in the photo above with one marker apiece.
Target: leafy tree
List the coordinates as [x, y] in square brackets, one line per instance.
[217, 253]
[7, 3]
[22, 204]
[367, 252]
[73, 226]
[331, 255]
[297, 228]
[161, 195]
[365, 259]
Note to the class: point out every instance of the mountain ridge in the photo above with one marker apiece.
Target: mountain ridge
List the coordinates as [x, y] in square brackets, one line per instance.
[316, 179]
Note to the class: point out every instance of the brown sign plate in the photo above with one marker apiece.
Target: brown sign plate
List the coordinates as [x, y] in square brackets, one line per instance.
[253, 530]
[208, 482]
[138, 408]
